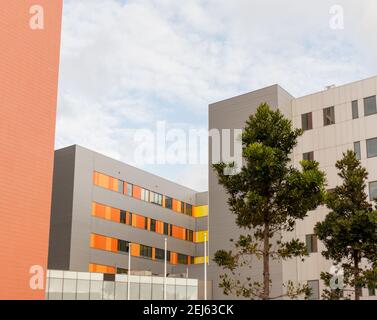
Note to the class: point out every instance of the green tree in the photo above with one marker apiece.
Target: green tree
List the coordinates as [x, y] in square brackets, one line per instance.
[267, 196]
[349, 231]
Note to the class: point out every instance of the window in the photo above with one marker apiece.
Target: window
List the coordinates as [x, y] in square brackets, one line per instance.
[314, 287]
[182, 259]
[166, 228]
[311, 243]
[189, 235]
[130, 218]
[153, 225]
[123, 246]
[355, 109]
[145, 251]
[122, 271]
[370, 106]
[371, 291]
[373, 190]
[120, 186]
[188, 209]
[168, 202]
[308, 156]
[170, 230]
[328, 116]
[156, 198]
[357, 149]
[159, 254]
[129, 189]
[144, 194]
[123, 215]
[146, 223]
[372, 148]
[307, 121]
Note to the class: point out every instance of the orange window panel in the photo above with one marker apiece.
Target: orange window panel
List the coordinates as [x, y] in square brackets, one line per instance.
[127, 218]
[153, 253]
[115, 214]
[97, 242]
[138, 221]
[173, 258]
[136, 192]
[100, 268]
[179, 232]
[177, 205]
[98, 210]
[113, 184]
[159, 227]
[135, 249]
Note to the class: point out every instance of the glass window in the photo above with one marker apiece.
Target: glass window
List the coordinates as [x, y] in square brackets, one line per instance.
[144, 194]
[129, 189]
[373, 190]
[69, 289]
[130, 218]
[371, 291]
[145, 291]
[314, 287]
[308, 156]
[189, 209]
[159, 254]
[123, 246]
[357, 149]
[83, 289]
[120, 186]
[180, 293]
[145, 251]
[182, 259]
[307, 121]
[189, 235]
[328, 116]
[157, 292]
[108, 290]
[153, 225]
[168, 202]
[372, 148]
[96, 290]
[120, 291]
[355, 109]
[123, 216]
[166, 228]
[122, 271]
[55, 289]
[156, 198]
[370, 106]
[311, 243]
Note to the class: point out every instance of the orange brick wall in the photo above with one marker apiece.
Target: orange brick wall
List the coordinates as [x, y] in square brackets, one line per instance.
[29, 63]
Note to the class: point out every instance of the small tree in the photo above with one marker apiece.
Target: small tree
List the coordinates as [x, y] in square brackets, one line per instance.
[266, 197]
[349, 231]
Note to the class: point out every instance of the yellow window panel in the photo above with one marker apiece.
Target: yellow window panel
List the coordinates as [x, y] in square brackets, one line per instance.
[199, 260]
[199, 236]
[200, 211]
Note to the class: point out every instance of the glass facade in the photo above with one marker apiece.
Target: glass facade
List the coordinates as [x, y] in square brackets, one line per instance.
[67, 285]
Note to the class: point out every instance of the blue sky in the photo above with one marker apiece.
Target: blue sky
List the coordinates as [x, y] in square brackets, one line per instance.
[127, 64]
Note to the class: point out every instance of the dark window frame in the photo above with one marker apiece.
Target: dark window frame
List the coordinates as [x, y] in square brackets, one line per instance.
[366, 102]
[329, 116]
[307, 121]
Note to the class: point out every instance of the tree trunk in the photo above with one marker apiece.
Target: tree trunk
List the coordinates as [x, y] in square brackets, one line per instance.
[356, 274]
[266, 262]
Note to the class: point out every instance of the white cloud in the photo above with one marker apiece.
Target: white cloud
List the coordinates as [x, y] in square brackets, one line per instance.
[128, 64]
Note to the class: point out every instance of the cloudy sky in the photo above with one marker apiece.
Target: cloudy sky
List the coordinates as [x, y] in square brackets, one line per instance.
[128, 64]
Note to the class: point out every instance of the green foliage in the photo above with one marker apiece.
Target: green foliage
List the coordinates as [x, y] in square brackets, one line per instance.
[267, 196]
[349, 231]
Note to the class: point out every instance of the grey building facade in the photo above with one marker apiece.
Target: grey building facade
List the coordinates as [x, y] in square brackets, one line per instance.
[101, 205]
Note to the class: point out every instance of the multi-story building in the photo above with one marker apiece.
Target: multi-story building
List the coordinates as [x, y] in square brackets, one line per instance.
[29, 64]
[334, 120]
[102, 209]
